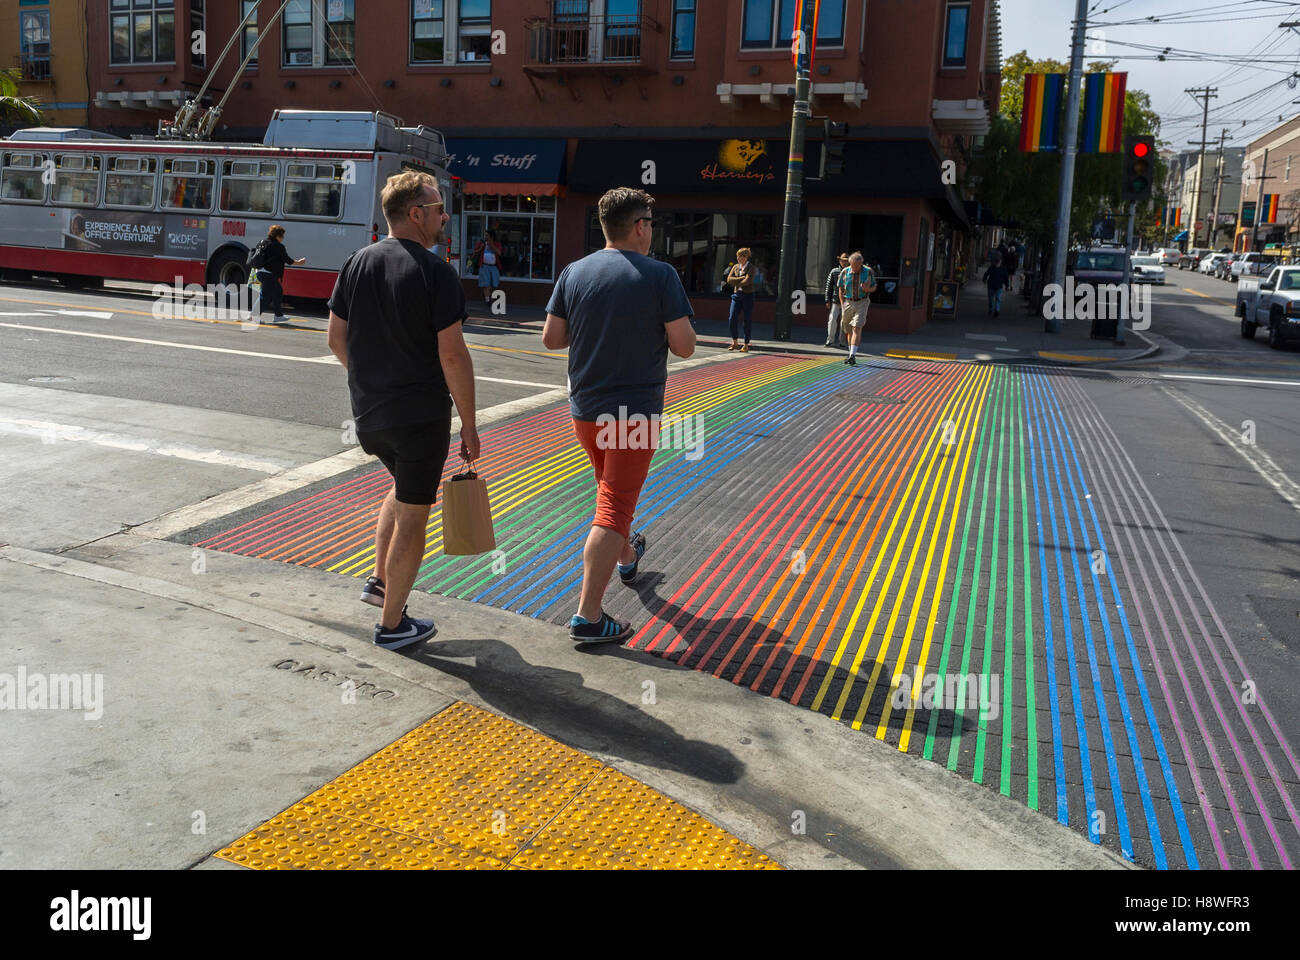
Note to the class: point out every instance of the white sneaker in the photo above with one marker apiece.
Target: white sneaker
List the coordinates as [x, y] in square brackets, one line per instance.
[280, 318]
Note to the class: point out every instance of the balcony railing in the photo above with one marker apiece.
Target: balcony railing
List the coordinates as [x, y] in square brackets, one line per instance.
[33, 68]
[591, 41]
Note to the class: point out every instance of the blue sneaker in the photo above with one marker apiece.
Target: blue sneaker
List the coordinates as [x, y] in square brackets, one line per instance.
[604, 630]
[373, 592]
[627, 573]
[408, 631]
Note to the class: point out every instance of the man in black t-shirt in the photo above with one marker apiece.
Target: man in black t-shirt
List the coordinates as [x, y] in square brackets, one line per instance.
[395, 325]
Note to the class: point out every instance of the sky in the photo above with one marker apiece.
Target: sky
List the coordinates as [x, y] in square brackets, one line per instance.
[1235, 45]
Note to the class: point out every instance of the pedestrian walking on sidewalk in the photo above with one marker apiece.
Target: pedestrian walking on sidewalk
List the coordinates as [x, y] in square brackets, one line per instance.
[740, 277]
[1012, 263]
[487, 254]
[997, 279]
[269, 258]
[833, 338]
[395, 325]
[619, 312]
[856, 285]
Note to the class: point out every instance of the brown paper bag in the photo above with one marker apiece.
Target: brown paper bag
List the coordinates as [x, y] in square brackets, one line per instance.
[466, 516]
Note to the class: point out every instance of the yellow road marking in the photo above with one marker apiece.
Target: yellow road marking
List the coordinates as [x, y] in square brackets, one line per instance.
[919, 355]
[1072, 357]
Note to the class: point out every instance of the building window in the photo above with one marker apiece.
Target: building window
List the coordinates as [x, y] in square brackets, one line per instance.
[1287, 176]
[428, 31]
[130, 182]
[475, 30]
[34, 44]
[143, 32]
[197, 32]
[249, 36]
[319, 33]
[770, 24]
[298, 34]
[683, 30]
[524, 227]
[622, 29]
[340, 31]
[954, 38]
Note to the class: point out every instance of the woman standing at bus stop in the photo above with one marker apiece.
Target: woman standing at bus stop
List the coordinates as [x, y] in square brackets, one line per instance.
[269, 260]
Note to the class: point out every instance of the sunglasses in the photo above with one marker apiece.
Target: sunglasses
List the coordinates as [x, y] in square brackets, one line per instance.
[436, 203]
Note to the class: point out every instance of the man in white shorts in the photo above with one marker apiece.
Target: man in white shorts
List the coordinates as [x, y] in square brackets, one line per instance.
[856, 284]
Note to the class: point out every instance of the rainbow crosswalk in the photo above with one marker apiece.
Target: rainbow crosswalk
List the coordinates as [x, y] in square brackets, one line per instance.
[959, 559]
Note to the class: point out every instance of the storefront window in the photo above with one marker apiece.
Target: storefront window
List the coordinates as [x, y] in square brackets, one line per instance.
[761, 232]
[527, 240]
[821, 254]
[880, 238]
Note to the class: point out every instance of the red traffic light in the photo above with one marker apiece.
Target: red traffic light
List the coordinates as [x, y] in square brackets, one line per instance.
[1140, 149]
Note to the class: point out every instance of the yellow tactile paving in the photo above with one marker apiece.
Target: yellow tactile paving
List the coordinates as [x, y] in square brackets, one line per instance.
[468, 789]
[920, 355]
[619, 824]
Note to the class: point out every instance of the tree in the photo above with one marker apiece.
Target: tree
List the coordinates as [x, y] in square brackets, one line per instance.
[13, 108]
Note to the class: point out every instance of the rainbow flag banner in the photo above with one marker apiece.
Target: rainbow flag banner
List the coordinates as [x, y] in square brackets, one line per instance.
[1103, 114]
[1040, 118]
[1268, 209]
[809, 44]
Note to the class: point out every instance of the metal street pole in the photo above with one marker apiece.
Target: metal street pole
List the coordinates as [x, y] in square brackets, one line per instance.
[1209, 93]
[794, 177]
[1128, 272]
[1218, 193]
[1069, 149]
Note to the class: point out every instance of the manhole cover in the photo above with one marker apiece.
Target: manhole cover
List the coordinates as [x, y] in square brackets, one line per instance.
[50, 379]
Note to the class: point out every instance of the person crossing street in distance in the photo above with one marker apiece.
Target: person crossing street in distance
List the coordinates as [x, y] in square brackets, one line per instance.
[395, 325]
[856, 285]
[270, 259]
[740, 277]
[619, 312]
[833, 338]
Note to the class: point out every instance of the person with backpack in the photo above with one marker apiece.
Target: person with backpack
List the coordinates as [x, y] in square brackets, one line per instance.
[268, 259]
[833, 301]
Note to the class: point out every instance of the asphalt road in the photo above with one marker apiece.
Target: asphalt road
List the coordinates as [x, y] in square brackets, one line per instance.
[1186, 466]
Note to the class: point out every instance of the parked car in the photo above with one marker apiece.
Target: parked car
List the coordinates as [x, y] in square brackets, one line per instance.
[1169, 256]
[1252, 265]
[1223, 269]
[1192, 258]
[1147, 270]
[1209, 263]
[1273, 304]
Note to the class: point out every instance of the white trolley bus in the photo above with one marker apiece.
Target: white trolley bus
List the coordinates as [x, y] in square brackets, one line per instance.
[85, 208]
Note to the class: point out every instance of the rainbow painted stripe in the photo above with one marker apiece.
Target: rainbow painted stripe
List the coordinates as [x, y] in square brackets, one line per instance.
[1103, 115]
[1040, 118]
[849, 533]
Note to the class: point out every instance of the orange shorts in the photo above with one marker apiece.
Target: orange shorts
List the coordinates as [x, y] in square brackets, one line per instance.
[621, 468]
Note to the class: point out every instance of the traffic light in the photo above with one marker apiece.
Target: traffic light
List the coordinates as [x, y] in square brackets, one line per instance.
[833, 135]
[1139, 168]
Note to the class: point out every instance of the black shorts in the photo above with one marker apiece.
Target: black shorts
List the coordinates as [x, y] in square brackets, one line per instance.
[414, 454]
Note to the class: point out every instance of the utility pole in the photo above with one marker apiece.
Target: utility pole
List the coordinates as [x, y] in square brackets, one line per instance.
[785, 282]
[1207, 94]
[1218, 193]
[1069, 150]
[1259, 202]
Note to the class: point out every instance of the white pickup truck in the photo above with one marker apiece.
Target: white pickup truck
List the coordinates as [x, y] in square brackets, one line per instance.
[1272, 303]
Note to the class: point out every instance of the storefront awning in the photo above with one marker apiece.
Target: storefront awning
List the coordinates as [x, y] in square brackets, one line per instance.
[514, 189]
[1180, 237]
[519, 167]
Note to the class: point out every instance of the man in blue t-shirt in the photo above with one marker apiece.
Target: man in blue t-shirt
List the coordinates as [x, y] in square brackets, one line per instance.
[619, 312]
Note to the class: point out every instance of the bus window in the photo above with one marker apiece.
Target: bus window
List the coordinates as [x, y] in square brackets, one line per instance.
[313, 190]
[248, 186]
[130, 182]
[187, 184]
[76, 179]
[21, 177]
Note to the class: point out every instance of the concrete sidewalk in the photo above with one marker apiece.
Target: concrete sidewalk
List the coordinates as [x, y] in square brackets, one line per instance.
[221, 712]
[1017, 335]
